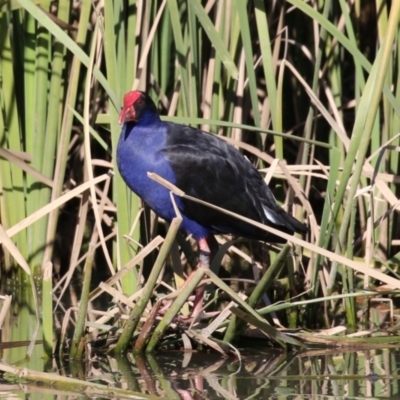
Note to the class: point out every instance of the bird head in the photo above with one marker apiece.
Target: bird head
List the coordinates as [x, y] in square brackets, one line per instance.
[136, 104]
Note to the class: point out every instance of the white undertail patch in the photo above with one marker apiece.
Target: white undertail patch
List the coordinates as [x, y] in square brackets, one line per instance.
[270, 216]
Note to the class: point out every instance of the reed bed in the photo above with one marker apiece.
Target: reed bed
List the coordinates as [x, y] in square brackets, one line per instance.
[307, 90]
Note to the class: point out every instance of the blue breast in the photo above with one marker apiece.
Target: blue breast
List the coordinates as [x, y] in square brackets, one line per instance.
[139, 151]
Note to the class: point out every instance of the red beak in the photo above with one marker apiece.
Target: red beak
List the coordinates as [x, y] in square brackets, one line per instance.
[127, 114]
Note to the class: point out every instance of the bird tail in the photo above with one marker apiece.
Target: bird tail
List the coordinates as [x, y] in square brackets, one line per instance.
[296, 225]
[282, 220]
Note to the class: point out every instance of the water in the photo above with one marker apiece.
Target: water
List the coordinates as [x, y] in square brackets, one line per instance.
[260, 374]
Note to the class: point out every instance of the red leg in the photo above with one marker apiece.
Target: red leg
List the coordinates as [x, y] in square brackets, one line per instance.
[208, 247]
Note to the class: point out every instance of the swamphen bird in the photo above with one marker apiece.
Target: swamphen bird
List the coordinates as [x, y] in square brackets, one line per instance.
[203, 166]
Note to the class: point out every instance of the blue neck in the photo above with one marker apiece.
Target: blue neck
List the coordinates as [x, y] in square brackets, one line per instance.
[147, 122]
[148, 117]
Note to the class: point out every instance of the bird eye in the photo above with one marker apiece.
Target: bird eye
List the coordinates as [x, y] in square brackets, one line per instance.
[140, 102]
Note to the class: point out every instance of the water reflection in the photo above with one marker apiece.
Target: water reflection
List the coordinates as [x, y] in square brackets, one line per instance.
[260, 374]
[265, 374]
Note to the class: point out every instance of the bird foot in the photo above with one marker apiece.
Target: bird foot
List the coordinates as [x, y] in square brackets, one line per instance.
[166, 304]
[191, 319]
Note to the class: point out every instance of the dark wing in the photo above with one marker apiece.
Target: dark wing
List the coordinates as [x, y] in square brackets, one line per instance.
[210, 169]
